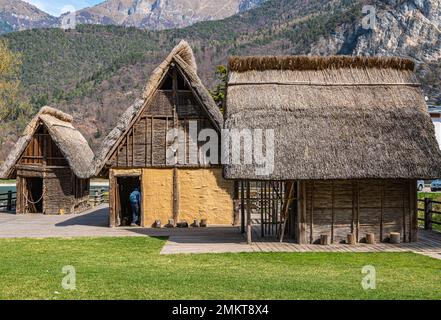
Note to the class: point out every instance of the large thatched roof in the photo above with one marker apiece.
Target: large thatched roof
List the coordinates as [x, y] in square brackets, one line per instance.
[334, 117]
[69, 140]
[182, 56]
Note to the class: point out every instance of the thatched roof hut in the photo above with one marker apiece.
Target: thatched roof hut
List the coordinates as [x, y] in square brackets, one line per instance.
[51, 163]
[334, 117]
[69, 140]
[182, 55]
[137, 152]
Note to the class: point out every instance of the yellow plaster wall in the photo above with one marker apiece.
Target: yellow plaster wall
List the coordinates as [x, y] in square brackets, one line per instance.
[157, 195]
[203, 194]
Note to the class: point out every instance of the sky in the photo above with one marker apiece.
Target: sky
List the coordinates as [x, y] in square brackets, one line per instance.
[57, 7]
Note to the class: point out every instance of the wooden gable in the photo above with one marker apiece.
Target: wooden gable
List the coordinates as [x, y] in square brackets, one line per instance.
[42, 150]
[174, 105]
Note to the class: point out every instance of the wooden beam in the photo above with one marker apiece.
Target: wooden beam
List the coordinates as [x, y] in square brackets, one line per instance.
[332, 211]
[151, 140]
[145, 141]
[303, 214]
[242, 207]
[112, 199]
[175, 195]
[358, 211]
[262, 209]
[311, 218]
[285, 208]
[404, 193]
[381, 210]
[249, 226]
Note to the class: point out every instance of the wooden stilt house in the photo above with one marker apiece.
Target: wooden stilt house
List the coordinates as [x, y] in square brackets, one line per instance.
[134, 154]
[352, 136]
[51, 163]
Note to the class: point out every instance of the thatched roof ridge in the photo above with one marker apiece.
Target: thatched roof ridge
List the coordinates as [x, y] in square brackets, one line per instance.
[182, 50]
[114, 136]
[69, 140]
[335, 123]
[315, 63]
[182, 55]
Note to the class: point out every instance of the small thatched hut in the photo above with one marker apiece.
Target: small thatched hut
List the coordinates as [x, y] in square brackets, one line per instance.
[134, 154]
[51, 163]
[352, 136]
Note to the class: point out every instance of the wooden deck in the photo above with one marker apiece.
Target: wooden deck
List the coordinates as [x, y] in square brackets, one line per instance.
[225, 240]
[181, 241]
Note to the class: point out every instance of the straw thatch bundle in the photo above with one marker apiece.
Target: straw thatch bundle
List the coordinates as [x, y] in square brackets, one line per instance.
[70, 141]
[181, 56]
[334, 118]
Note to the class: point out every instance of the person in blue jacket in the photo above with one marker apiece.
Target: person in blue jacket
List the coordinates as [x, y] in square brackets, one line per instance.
[135, 203]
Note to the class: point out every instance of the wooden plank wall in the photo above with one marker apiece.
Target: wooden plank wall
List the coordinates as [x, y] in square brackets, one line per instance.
[42, 150]
[145, 144]
[61, 190]
[337, 208]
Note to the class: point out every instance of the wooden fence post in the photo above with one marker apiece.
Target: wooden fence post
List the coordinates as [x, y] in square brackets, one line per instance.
[427, 214]
[9, 204]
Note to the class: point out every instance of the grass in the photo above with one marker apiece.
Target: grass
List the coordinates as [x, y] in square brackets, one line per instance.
[436, 196]
[131, 268]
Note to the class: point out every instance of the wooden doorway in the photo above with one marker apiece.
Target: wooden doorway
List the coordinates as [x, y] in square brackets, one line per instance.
[124, 187]
[33, 195]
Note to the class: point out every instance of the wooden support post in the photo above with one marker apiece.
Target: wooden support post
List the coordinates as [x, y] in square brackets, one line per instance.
[413, 211]
[311, 219]
[357, 224]
[381, 211]
[285, 208]
[175, 195]
[427, 214]
[242, 207]
[332, 211]
[303, 214]
[9, 203]
[262, 231]
[112, 199]
[404, 211]
[249, 226]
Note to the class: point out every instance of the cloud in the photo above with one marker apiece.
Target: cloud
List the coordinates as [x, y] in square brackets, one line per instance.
[57, 7]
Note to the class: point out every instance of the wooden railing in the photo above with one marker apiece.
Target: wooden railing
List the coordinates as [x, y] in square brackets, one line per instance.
[8, 201]
[98, 197]
[429, 213]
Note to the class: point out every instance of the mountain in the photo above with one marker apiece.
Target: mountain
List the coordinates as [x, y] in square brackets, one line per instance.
[18, 15]
[96, 72]
[161, 14]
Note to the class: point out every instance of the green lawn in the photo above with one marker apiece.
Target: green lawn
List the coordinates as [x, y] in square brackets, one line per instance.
[131, 268]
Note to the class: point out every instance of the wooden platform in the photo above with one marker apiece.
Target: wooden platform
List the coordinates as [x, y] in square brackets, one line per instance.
[94, 223]
[224, 240]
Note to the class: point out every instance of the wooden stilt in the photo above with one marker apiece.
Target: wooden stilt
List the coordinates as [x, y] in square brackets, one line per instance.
[249, 226]
[242, 207]
[285, 209]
